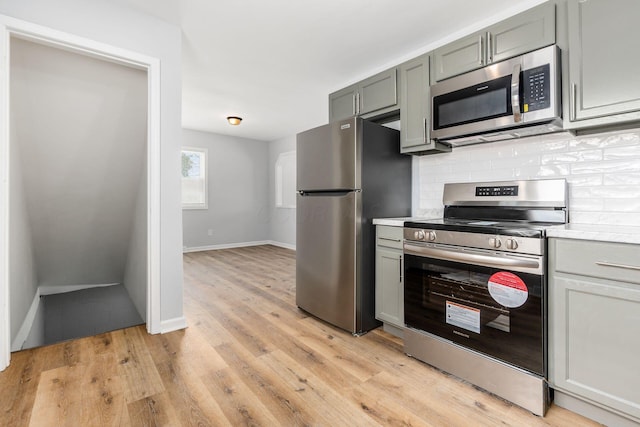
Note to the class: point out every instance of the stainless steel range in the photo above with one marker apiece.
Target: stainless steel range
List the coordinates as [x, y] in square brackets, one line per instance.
[475, 286]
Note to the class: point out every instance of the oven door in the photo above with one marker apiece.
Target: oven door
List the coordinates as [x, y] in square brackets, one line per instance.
[490, 302]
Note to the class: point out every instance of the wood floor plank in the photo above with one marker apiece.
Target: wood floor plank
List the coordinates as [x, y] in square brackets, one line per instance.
[317, 393]
[153, 411]
[238, 403]
[248, 357]
[288, 408]
[59, 398]
[190, 399]
[136, 365]
[103, 400]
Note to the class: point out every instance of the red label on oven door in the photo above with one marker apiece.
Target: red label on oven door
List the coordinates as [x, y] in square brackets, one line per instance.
[508, 289]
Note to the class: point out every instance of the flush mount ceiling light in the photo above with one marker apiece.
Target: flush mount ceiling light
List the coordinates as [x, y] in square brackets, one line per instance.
[234, 120]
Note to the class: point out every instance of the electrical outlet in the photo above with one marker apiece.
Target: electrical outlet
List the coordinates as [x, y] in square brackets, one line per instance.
[210, 232]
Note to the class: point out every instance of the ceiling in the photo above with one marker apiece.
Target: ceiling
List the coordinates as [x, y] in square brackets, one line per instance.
[274, 62]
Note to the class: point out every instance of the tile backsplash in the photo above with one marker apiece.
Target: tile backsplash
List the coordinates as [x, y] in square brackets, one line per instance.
[603, 172]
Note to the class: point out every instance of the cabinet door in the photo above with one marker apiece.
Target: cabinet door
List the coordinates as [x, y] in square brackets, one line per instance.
[603, 58]
[342, 103]
[459, 57]
[594, 328]
[389, 287]
[414, 104]
[378, 92]
[414, 108]
[525, 32]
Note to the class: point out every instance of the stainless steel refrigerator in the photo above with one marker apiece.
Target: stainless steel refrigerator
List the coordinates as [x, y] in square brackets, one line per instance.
[348, 173]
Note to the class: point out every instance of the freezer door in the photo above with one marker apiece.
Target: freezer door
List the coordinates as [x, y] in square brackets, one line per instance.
[326, 251]
[327, 157]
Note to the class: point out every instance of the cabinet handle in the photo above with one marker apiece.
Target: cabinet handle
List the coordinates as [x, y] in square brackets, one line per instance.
[489, 48]
[358, 103]
[572, 102]
[391, 240]
[354, 103]
[612, 264]
[480, 53]
[400, 268]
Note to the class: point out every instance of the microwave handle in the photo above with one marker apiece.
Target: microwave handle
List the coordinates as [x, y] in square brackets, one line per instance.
[515, 93]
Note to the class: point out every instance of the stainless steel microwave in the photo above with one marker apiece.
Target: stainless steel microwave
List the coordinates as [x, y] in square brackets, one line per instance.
[510, 99]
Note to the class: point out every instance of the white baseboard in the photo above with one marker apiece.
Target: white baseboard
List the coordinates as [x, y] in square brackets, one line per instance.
[282, 245]
[174, 324]
[224, 246]
[237, 245]
[61, 289]
[25, 328]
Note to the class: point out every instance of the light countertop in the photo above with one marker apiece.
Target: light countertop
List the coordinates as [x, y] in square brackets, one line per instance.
[396, 222]
[597, 232]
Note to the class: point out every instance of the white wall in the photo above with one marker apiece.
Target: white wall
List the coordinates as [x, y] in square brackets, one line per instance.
[135, 270]
[282, 228]
[114, 25]
[23, 278]
[81, 127]
[603, 171]
[238, 192]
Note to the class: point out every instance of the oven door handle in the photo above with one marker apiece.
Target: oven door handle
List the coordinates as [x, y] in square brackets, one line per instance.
[471, 258]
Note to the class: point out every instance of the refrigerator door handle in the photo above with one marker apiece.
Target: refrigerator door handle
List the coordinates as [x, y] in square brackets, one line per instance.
[334, 193]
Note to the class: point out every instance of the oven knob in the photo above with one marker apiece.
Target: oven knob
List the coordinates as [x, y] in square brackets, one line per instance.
[494, 242]
[512, 244]
[418, 235]
[431, 236]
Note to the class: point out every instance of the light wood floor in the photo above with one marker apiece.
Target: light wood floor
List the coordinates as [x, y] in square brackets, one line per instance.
[249, 357]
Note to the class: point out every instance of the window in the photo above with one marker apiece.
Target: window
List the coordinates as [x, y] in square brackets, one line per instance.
[286, 180]
[194, 178]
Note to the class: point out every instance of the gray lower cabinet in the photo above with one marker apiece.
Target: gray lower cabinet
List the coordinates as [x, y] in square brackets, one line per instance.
[389, 276]
[376, 94]
[603, 62]
[594, 324]
[414, 109]
[522, 33]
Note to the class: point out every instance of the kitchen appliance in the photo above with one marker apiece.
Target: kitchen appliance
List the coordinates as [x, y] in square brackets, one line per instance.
[510, 99]
[348, 172]
[475, 300]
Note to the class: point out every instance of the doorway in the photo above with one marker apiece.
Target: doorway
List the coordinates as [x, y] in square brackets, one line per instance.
[105, 254]
[78, 192]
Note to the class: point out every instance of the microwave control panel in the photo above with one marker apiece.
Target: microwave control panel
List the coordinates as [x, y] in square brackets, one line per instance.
[536, 88]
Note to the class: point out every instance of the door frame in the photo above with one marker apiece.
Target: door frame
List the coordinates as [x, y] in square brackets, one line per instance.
[11, 27]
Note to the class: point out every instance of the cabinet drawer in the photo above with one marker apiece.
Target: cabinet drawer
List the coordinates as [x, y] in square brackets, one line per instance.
[390, 237]
[611, 261]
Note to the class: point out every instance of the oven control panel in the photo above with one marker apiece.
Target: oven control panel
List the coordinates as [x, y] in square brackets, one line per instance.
[492, 191]
[516, 244]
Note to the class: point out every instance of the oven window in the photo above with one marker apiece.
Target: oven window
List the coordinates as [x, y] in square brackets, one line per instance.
[496, 312]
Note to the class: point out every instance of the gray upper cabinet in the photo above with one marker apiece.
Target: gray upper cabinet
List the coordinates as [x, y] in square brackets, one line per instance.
[603, 62]
[342, 104]
[458, 57]
[414, 108]
[522, 33]
[378, 92]
[375, 94]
